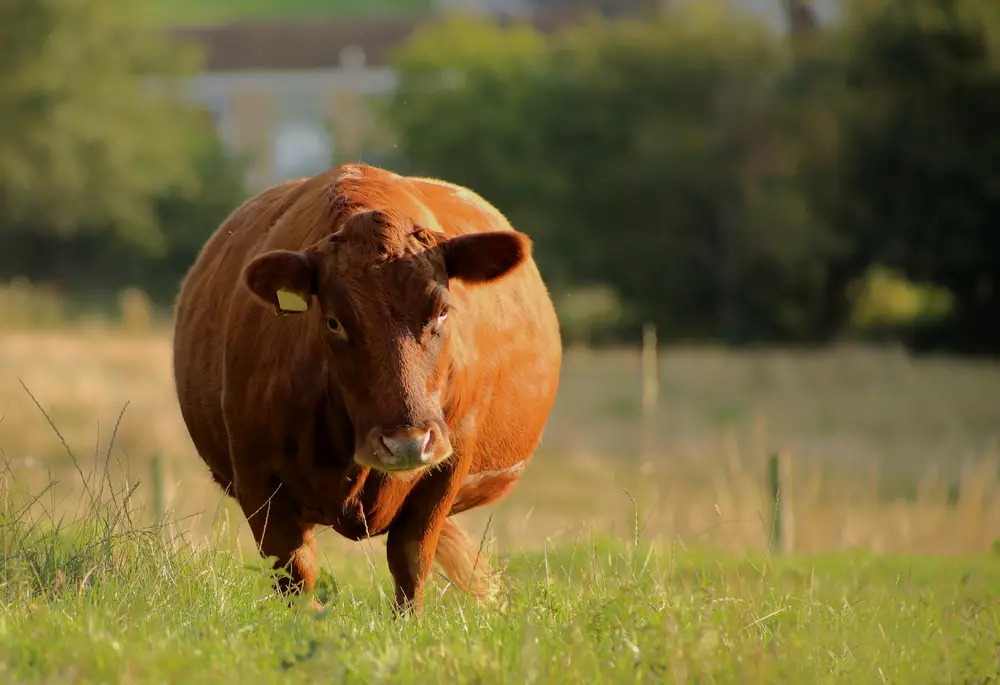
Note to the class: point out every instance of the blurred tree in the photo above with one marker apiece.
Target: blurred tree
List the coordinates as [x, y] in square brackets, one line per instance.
[85, 144]
[93, 266]
[684, 195]
[189, 214]
[919, 159]
[700, 172]
[463, 110]
[800, 18]
[812, 101]
[648, 156]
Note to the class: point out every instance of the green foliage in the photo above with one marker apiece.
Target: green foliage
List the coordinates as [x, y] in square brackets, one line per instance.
[84, 143]
[646, 156]
[477, 79]
[722, 181]
[91, 267]
[920, 153]
[884, 298]
[188, 12]
[682, 192]
[108, 178]
[189, 214]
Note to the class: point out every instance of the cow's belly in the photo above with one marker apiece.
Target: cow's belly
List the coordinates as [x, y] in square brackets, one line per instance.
[484, 487]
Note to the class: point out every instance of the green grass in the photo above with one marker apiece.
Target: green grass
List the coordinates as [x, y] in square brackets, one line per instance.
[92, 593]
[193, 12]
[97, 598]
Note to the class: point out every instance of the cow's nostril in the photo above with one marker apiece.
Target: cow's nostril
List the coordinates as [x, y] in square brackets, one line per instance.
[408, 448]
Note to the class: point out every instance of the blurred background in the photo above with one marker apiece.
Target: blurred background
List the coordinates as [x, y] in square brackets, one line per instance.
[769, 226]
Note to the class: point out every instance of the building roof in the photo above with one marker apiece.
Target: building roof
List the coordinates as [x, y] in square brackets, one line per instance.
[309, 44]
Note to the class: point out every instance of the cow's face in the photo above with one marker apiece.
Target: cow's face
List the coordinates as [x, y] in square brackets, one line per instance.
[377, 294]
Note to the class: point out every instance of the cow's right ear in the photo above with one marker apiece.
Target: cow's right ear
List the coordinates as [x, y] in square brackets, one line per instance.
[284, 279]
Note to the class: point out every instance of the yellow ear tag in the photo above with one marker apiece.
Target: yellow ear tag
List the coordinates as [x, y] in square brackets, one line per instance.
[291, 302]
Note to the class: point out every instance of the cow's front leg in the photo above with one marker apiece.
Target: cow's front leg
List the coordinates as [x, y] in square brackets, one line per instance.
[274, 518]
[413, 536]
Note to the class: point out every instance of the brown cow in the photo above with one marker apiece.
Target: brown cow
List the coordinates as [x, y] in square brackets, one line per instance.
[408, 377]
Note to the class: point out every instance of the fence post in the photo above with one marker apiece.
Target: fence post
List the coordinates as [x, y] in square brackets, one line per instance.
[157, 482]
[650, 396]
[779, 477]
[650, 371]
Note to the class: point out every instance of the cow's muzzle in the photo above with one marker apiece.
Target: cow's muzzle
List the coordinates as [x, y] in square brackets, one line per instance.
[405, 449]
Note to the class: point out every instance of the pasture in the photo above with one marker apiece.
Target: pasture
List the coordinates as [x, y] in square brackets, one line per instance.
[596, 612]
[632, 551]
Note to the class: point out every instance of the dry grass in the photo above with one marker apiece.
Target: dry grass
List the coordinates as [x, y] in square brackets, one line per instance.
[891, 454]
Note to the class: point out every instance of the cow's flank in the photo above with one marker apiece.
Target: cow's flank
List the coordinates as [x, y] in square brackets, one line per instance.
[372, 352]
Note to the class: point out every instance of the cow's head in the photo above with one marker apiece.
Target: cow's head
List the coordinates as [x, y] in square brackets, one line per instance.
[377, 294]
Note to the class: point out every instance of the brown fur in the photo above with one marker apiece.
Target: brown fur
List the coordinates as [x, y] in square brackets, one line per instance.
[299, 416]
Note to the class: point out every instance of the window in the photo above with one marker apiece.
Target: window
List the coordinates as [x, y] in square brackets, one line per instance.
[301, 143]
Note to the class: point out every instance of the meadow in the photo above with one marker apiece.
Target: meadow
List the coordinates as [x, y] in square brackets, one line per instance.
[632, 551]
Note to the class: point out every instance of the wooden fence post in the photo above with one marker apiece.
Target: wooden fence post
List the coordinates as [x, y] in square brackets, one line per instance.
[779, 477]
[157, 482]
[650, 371]
[650, 395]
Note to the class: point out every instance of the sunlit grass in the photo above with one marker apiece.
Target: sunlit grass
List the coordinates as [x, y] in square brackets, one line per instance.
[99, 597]
[630, 552]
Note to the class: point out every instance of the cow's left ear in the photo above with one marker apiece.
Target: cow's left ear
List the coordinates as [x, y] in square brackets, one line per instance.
[284, 279]
[485, 257]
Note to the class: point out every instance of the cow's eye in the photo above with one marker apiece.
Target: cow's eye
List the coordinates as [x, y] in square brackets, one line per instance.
[336, 327]
[435, 323]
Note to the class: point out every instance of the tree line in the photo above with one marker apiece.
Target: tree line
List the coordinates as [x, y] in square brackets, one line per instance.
[700, 171]
[689, 167]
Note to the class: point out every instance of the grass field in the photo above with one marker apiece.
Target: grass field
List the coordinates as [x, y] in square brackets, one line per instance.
[191, 12]
[633, 551]
[109, 603]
